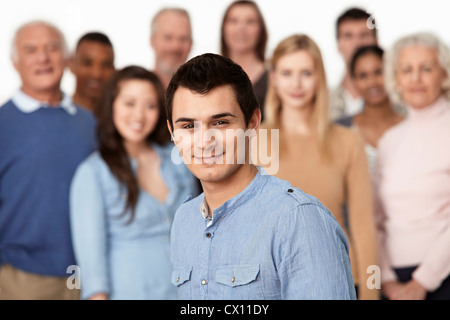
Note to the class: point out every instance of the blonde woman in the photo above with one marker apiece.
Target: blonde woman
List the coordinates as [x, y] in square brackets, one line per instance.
[323, 159]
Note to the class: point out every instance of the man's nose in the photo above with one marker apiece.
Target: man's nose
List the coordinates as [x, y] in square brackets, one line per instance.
[43, 56]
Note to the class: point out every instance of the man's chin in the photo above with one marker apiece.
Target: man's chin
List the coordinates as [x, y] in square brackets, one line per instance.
[170, 67]
[214, 172]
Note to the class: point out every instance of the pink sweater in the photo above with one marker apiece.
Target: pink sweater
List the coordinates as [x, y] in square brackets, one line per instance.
[412, 194]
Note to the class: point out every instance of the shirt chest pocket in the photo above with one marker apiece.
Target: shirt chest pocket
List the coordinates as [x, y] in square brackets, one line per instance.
[181, 278]
[239, 282]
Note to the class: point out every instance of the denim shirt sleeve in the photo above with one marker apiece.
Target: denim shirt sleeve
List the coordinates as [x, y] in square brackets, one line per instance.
[88, 227]
[313, 261]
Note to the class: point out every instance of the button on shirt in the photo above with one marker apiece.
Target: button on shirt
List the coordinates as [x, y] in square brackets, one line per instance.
[271, 241]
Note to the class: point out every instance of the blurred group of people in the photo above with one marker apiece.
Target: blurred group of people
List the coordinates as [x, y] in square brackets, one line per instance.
[89, 180]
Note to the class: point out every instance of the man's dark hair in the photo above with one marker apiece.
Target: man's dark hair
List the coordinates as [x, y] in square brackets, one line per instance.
[362, 51]
[208, 71]
[353, 14]
[95, 37]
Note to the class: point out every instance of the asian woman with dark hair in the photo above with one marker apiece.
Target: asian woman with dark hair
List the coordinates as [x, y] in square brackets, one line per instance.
[124, 196]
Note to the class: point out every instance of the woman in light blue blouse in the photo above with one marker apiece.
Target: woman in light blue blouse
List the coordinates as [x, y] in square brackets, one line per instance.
[124, 196]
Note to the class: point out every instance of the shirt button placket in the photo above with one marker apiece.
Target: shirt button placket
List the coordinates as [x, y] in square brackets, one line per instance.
[205, 257]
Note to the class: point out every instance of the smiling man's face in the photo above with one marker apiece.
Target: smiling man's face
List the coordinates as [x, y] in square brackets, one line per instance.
[202, 124]
[39, 59]
[92, 65]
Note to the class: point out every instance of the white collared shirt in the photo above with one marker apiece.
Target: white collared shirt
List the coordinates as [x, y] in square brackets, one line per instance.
[27, 104]
[352, 105]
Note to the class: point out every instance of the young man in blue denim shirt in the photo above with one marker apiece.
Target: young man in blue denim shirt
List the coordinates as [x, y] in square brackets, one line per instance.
[249, 235]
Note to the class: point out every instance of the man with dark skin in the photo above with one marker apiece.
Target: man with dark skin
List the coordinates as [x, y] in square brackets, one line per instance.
[92, 64]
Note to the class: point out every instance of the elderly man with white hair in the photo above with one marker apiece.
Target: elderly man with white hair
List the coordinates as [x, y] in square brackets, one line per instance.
[43, 137]
[171, 41]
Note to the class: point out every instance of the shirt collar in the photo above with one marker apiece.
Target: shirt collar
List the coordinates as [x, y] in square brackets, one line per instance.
[233, 203]
[433, 111]
[204, 209]
[27, 104]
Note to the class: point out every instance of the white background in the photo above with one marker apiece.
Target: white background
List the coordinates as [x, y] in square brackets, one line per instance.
[127, 23]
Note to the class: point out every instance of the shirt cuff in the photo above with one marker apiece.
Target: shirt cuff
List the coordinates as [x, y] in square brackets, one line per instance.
[92, 286]
[387, 274]
[426, 279]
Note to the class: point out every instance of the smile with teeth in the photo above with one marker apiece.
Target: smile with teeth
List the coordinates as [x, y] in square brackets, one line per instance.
[136, 126]
[208, 159]
[44, 71]
[374, 91]
[96, 84]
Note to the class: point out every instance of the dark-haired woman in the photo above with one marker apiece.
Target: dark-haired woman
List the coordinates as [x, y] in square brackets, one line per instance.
[379, 114]
[124, 196]
[243, 40]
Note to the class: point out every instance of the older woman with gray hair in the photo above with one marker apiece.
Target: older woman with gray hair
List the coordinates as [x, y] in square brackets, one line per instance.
[412, 176]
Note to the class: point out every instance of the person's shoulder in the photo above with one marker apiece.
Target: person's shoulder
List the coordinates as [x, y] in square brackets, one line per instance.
[347, 143]
[189, 208]
[290, 203]
[165, 149]
[95, 168]
[5, 103]
[281, 193]
[346, 121]
[84, 113]
[93, 161]
[6, 107]
[6, 111]
[345, 136]
[191, 203]
[391, 136]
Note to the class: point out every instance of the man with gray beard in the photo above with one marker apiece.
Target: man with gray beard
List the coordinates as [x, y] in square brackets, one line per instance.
[171, 41]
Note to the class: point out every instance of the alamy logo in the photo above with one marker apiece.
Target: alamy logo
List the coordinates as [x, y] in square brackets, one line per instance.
[232, 146]
[371, 24]
[74, 280]
[374, 280]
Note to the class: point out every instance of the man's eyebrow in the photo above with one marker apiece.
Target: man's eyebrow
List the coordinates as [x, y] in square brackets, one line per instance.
[215, 116]
[184, 120]
[223, 115]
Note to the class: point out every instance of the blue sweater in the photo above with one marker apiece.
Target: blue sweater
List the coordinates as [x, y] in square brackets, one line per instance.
[39, 152]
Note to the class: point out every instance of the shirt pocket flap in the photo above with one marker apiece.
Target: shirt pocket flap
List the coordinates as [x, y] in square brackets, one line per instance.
[236, 275]
[180, 275]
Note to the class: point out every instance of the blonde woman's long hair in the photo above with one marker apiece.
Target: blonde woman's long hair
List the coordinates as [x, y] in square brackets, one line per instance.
[320, 119]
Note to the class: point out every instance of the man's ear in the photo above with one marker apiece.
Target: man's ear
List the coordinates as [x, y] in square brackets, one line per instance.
[151, 41]
[170, 129]
[255, 120]
[15, 64]
[71, 63]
